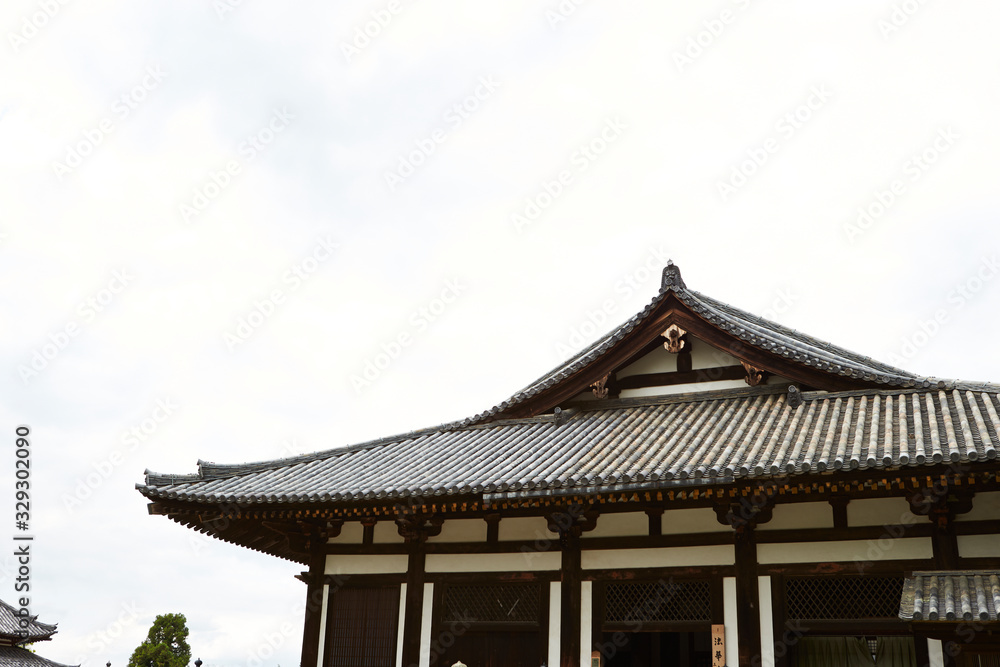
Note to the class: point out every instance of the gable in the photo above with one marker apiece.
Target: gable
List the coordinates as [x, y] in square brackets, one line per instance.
[699, 366]
[677, 312]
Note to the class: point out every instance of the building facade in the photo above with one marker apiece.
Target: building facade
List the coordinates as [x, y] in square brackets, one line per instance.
[699, 487]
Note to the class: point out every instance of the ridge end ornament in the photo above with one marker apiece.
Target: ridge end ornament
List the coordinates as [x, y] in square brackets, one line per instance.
[675, 339]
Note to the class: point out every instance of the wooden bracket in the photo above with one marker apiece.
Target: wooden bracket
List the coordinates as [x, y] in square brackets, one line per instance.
[676, 339]
[755, 376]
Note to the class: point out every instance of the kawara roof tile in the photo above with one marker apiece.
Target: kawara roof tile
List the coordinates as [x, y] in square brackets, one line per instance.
[660, 442]
[951, 595]
[15, 656]
[627, 445]
[10, 626]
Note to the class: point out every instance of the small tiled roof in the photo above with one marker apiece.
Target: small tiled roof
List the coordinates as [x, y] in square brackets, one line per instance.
[952, 595]
[10, 626]
[751, 329]
[627, 444]
[15, 656]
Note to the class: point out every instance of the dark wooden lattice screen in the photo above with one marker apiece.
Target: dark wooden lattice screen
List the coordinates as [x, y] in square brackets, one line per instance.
[842, 598]
[492, 603]
[658, 602]
[361, 626]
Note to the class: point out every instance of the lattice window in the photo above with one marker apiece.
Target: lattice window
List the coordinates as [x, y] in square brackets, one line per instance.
[492, 603]
[842, 598]
[658, 601]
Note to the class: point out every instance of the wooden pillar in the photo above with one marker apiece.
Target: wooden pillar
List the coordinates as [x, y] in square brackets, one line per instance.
[570, 611]
[311, 538]
[414, 604]
[314, 609]
[941, 503]
[569, 523]
[415, 529]
[920, 650]
[747, 597]
[743, 518]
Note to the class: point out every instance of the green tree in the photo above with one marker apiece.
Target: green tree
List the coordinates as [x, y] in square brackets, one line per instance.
[165, 645]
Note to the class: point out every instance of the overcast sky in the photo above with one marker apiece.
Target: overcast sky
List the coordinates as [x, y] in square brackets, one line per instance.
[215, 216]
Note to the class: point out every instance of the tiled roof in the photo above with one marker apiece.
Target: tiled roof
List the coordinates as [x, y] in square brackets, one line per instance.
[951, 596]
[753, 330]
[15, 656]
[10, 626]
[628, 444]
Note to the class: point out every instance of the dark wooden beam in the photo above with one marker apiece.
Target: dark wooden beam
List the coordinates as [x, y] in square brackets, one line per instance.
[570, 608]
[414, 604]
[839, 504]
[492, 527]
[314, 609]
[747, 597]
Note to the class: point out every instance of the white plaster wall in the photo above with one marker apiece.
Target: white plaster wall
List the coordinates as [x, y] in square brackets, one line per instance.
[461, 530]
[352, 532]
[729, 617]
[399, 628]
[979, 546]
[846, 551]
[657, 361]
[425, 625]
[881, 512]
[620, 525]
[935, 653]
[792, 516]
[683, 388]
[322, 625]
[386, 533]
[985, 507]
[722, 554]
[697, 520]
[514, 562]
[766, 622]
[586, 622]
[555, 622]
[524, 528]
[365, 563]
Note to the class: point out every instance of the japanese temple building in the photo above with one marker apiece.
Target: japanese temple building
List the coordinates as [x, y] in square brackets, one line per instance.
[699, 487]
[17, 631]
